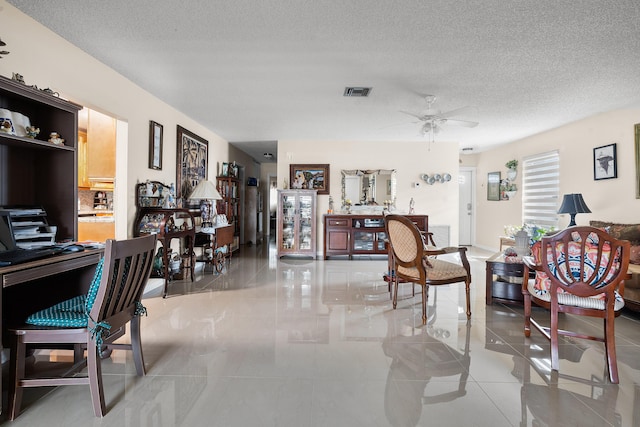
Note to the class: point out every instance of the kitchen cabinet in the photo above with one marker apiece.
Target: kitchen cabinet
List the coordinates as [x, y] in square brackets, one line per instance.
[96, 229]
[96, 148]
[296, 226]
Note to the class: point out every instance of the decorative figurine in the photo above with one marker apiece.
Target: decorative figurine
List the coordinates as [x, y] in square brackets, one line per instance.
[32, 131]
[17, 78]
[6, 126]
[54, 138]
[330, 211]
[412, 204]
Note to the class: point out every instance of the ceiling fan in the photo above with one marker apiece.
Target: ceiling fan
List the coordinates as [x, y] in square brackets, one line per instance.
[433, 120]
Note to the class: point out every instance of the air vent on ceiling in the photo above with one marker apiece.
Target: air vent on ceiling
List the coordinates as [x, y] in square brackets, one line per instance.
[357, 91]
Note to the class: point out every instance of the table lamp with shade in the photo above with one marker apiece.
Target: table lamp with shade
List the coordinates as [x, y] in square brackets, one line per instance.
[573, 204]
[206, 192]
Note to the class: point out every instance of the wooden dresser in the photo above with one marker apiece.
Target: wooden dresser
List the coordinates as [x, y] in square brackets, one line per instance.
[359, 234]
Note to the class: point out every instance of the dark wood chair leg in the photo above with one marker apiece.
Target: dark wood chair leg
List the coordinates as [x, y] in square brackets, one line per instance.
[136, 347]
[467, 285]
[555, 360]
[425, 294]
[395, 290]
[94, 371]
[17, 363]
[610, 347]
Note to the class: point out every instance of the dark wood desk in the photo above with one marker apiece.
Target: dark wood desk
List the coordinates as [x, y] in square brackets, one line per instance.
[32, 286]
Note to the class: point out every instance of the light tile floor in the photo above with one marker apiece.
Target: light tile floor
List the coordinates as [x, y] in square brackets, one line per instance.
[297, 342]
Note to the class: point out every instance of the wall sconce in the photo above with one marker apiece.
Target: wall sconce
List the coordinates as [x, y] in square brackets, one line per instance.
[432, 179]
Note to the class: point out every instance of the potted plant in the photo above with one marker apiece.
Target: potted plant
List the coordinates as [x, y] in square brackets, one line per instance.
[510, 190]
[511, 169]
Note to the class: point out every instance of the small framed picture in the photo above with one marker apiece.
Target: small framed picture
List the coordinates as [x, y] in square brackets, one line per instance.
[225, 169]
[605, 162]
[155, 145]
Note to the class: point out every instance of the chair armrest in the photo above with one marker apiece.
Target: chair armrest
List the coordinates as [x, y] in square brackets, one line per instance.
[429, 251]
[530, 262]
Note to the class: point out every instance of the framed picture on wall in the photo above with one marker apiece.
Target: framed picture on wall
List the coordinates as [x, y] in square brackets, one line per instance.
[493, 186]
[192, 162]
[605, 162]
[636, 128]
[155, 145]
[310, 177]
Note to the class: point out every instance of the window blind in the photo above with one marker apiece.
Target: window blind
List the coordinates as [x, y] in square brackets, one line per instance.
[541, 189]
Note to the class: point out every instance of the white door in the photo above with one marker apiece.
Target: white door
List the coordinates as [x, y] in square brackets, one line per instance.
[466, 206]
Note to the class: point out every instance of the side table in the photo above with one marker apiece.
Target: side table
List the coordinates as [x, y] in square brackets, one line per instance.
[504, 280]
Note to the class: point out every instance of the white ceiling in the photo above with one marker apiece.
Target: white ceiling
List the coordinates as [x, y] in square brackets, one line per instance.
[267, 70]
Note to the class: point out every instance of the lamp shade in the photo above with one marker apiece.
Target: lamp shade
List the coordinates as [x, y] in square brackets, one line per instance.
[205, 190]
[573, 204]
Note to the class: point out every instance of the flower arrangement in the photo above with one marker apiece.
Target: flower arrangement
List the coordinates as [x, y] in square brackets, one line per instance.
[535, 232]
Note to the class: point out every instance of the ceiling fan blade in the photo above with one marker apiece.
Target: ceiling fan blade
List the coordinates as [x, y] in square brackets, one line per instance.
[465, 123]
[417, 116]
[464, 111]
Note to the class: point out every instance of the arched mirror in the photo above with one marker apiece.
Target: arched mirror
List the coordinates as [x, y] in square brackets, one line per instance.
[368, 187]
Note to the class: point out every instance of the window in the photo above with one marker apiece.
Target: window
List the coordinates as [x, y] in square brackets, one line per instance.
[541, 189]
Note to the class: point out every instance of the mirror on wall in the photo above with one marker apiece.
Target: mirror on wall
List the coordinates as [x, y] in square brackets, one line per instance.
[368, 187]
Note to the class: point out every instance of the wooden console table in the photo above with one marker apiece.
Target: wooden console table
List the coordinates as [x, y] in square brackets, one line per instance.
[360, 234]
[33, 286]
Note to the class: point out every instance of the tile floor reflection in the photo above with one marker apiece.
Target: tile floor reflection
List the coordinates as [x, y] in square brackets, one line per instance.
[298, 342]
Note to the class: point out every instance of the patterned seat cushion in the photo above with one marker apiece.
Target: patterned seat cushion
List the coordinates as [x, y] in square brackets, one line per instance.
[72, 313]
[437, 269]
[571, 266]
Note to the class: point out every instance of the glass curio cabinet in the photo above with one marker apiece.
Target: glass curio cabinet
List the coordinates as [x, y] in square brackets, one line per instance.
[296, 222]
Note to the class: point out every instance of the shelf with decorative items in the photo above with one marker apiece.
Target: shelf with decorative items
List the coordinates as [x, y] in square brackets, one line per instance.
[229, 205]
[512, 169]
[508, 187]
[36, 171]
[157, 214]
[296, 227]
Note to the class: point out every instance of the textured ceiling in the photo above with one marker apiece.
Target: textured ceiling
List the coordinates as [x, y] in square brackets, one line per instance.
[269, 70]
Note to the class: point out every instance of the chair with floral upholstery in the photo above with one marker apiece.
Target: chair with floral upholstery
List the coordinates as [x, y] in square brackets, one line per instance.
[414, 262]
[90, 322]
[580, 270]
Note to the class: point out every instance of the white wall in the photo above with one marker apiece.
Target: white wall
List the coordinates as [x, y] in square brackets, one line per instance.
[47, 60]
[609, 200]
[410, 159]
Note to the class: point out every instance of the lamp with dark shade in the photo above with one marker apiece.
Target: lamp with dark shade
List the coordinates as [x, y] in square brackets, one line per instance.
[573, 204]
[206, 192]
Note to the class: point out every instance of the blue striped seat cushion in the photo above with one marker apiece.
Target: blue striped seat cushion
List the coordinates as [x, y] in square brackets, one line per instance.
[72, 313]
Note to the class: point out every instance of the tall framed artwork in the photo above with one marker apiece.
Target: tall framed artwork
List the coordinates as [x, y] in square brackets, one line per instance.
[493, 186]
[192, 163]
[636, 129]
[155, 145]
[605, 162]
